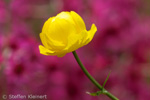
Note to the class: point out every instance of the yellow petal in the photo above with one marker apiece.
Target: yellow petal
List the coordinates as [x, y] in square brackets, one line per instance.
[61, 55]
[90, 34]
[60, 29]
[50, 43]
[78, 21]
[56, 45]
[59, 33]
[66, 16]
[73, 42]
[45, 51]
[44, 40]
[47, 25]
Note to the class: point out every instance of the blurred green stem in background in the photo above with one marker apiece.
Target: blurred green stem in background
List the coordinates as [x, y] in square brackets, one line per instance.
[103, 91]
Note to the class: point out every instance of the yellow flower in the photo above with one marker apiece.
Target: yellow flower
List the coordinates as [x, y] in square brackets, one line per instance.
[64, 33]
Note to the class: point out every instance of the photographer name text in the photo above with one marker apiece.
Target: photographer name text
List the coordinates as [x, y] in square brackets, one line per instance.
[30, 96]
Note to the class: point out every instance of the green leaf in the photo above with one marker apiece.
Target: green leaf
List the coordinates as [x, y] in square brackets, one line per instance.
[106, 80]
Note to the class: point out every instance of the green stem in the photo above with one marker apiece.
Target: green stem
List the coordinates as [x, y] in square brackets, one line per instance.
[92, 79]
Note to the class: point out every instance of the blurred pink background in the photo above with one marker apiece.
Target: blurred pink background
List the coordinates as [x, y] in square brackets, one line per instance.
[121, 45]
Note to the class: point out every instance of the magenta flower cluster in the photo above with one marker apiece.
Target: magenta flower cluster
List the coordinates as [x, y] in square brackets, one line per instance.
[121, 45]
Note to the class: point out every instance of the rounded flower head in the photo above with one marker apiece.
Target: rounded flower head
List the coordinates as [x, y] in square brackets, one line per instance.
[64, 33]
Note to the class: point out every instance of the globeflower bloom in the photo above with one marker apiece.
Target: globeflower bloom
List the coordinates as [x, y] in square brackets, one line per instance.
[64, 33]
